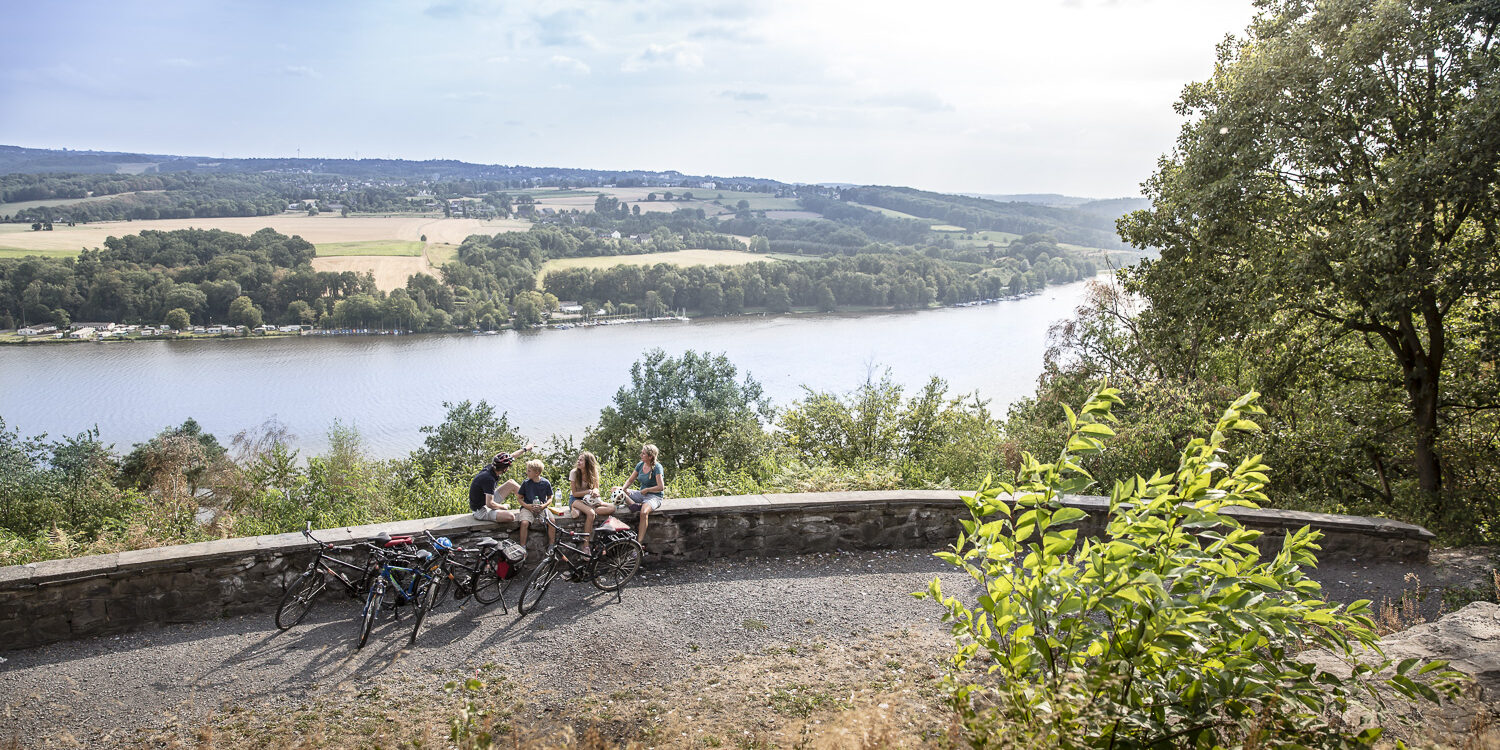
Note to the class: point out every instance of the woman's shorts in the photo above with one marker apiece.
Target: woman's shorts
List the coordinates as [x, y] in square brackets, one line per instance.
[637, 500]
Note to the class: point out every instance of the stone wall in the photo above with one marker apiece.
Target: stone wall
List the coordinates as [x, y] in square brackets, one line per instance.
[64, 599]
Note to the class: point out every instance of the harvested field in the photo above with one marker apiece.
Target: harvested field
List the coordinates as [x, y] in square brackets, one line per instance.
[947, 228]
[678, 258]
[378, 247]
[315, 229]
[390, 272]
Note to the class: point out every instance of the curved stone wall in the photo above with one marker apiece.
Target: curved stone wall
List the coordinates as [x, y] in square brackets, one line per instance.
[64, 599]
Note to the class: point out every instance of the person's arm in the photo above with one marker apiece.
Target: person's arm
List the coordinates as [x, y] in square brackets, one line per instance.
[661, 482]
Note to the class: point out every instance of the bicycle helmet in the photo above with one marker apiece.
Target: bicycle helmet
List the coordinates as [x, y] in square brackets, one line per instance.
[501, 462]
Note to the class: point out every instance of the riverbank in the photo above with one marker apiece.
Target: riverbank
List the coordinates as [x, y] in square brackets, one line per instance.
[556, 322]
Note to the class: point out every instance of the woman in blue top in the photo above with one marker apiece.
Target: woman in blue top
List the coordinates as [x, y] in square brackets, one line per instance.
[652, 484]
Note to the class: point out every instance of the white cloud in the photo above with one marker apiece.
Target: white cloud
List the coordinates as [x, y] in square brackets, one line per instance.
[569, 64]
[917, 101]
[299, 71]
[679, 55]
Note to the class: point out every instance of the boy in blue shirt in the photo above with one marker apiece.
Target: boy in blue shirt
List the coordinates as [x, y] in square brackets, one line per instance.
[535, 494]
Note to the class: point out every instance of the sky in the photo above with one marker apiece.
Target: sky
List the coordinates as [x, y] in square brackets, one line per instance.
[993, 96]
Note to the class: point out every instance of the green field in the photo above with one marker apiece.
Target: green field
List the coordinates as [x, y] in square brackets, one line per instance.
[370, 247]
[894, 214]
[757, 201]
[439, 255]
[947, 228]
[21, 252]
[678, 258]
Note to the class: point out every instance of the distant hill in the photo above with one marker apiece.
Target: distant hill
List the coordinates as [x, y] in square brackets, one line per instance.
[1088, 228]
[1114, 207]
[19, 160]
[1040, 199]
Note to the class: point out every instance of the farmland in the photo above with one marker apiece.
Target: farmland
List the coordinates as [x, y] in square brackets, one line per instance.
[19, 239]
[390, 272]
[678, 258]
[372, 247]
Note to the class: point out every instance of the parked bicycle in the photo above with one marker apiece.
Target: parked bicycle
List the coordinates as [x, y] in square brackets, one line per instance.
[327, 569]
[483, 571]
[616, 556]
[404, 578]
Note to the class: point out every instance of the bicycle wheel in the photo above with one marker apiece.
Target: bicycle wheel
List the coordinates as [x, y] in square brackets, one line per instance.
[537, 584]
[487, 586]
[617, 564]
[373, 602]
[427, 598]
[298, 599]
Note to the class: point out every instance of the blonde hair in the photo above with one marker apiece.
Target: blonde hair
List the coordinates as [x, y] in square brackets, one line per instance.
[651, 450]
[588, 479]
[534, 464]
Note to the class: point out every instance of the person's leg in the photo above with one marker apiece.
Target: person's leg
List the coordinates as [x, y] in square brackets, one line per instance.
[604, 509]
[587, 512]
[506, 490]
[645, 520]
[525, 525]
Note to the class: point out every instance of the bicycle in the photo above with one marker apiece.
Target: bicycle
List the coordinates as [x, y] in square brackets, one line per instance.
[613, 562]
[388, 585]
[304, 591]
[483, 571]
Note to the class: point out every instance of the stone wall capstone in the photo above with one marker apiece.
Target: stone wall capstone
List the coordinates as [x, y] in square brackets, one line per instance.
[59, 600]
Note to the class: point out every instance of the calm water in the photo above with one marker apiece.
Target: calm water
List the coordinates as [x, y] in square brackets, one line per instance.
[548, 381]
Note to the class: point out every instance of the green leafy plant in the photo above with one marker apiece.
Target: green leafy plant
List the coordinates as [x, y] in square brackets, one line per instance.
[1170, 630]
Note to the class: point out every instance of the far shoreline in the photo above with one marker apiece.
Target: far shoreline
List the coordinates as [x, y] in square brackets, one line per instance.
[9, 338]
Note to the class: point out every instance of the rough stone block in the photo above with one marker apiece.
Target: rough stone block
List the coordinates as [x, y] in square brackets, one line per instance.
[86, 615]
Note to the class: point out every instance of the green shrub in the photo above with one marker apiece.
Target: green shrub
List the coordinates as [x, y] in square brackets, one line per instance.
[1169, 631]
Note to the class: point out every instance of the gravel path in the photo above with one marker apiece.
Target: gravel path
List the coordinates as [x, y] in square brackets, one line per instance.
[108, 691]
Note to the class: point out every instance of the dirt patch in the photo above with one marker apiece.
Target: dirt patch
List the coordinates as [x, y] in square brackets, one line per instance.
[391, 272]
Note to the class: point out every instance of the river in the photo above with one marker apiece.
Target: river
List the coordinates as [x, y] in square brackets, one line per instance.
[548, 381]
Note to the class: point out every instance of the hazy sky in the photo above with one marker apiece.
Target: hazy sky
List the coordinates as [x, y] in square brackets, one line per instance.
[1001, 96]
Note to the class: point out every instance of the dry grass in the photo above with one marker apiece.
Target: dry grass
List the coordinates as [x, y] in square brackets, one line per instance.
[324, 228]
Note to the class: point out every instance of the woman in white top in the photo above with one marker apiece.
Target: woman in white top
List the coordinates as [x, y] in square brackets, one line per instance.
[583, 485]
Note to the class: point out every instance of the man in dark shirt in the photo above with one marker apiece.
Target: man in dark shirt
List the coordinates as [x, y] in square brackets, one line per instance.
[485, 495]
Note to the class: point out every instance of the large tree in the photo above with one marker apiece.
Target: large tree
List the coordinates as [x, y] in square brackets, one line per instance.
[691, 407]
[1338, 177]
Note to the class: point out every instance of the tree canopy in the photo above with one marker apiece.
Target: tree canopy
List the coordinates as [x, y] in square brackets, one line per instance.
[1332, 203]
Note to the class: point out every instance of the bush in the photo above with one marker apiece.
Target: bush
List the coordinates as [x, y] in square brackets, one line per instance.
[1171, 630]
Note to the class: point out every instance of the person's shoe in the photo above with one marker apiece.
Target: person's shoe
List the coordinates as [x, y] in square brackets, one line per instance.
[587, 552]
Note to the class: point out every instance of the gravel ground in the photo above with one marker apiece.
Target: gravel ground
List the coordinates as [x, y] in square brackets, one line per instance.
[671, 628]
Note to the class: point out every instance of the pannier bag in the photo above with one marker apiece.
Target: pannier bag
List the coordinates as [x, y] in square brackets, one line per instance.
[511, 556]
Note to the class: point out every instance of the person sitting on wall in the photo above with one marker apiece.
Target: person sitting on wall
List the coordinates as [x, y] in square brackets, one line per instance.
[485, 497]
[535, 494]
[583, 483]
[648, 497]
